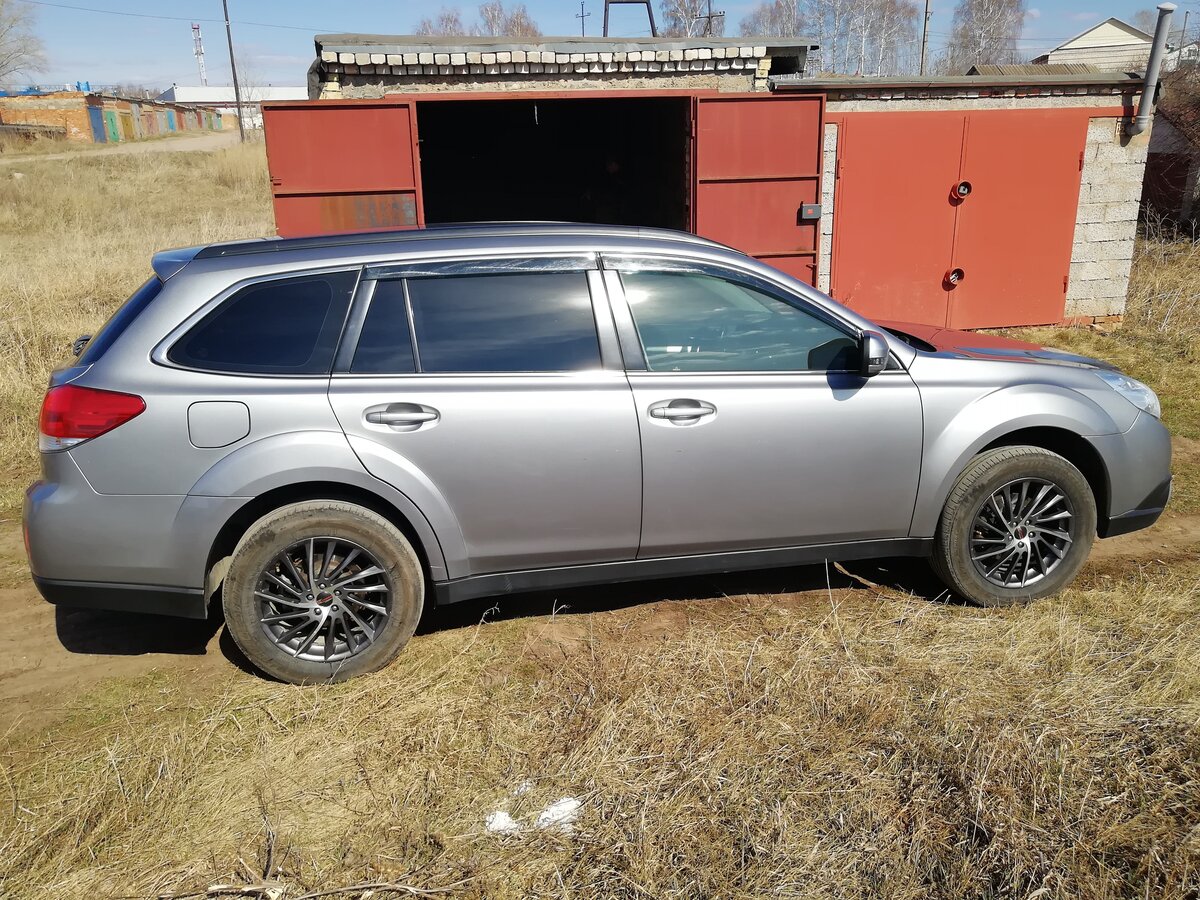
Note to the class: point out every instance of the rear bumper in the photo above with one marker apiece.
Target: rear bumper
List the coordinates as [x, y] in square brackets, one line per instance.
[187, 603]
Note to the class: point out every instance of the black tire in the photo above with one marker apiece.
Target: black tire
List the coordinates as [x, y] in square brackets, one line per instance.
[376, 538]
[985, 475]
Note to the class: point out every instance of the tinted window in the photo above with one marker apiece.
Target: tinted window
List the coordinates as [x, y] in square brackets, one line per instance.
[504, 323]
[385, 346]
[690, 322]
[121, 319]
[285, 327]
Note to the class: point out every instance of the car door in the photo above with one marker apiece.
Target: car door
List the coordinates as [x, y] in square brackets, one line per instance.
[489, 388]
[756, 431]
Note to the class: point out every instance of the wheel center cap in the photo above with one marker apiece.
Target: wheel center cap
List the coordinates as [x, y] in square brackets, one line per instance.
[324, 598]
[1020, 533]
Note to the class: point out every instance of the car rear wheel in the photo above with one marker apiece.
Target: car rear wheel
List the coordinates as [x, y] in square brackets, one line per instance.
[322, 591]
[1018, 525]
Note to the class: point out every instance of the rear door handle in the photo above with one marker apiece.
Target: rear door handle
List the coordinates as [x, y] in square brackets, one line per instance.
[401, 415]
[682, 410]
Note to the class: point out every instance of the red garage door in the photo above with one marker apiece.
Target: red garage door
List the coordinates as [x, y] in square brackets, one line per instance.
[339, 166]
[901, 228]
[758, 164]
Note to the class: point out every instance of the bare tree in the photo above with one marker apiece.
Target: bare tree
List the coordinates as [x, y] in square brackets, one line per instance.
[868, 37]
[1145, 20]
[689, 18]
[21, 50]
[515, 22]
[447, 22]
[778, 18]
[984, 32]
[494, 21]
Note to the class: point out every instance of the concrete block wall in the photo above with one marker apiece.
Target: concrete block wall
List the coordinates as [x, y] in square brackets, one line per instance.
[828, 181]
[370, 75]
[1106, 222]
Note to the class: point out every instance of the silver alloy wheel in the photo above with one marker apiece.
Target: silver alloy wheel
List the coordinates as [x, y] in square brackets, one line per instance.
[323, 599]
[1022, 532]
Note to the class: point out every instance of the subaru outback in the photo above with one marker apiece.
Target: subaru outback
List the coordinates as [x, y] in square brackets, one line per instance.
[327, 434]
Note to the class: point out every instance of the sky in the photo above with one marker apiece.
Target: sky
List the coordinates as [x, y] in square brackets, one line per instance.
[149, 42]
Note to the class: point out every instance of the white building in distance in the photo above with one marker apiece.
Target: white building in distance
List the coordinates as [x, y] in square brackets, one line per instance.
[253, 96]
[1112, 46]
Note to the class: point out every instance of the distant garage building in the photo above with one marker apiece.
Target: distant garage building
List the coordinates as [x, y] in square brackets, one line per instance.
[972, 202]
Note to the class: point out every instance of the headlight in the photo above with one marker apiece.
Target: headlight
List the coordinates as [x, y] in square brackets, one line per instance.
[1133, 391]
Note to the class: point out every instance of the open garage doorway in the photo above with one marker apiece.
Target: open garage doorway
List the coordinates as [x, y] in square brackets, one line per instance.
[618, 161]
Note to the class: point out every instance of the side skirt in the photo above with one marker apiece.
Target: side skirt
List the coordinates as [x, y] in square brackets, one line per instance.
[446, 592]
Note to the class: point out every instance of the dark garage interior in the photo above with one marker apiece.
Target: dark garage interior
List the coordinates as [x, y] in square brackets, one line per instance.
[620, 161]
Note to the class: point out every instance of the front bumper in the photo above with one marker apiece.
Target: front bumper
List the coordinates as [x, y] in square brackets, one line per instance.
[1139, 475]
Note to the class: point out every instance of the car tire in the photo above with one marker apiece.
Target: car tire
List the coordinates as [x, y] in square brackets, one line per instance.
[360, 606]
[988, 523]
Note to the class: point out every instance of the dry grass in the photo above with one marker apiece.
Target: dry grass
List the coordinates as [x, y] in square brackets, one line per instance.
[811, 746]
[855, 743]
[76, 236]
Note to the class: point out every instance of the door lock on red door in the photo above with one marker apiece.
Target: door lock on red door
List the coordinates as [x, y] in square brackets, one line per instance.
[953, 278]
[960, 192]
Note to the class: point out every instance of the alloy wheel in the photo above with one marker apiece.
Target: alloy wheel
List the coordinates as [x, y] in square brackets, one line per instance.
[1022, 532]
[323, 599]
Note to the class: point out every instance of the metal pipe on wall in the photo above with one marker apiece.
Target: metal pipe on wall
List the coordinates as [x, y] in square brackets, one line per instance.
[1146, 103]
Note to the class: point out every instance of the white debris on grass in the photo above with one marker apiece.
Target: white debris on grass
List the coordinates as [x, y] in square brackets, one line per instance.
[501, 822]
[560, 815]
[522, 788]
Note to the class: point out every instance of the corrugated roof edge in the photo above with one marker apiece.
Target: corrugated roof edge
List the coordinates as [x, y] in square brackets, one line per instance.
[376, 42]
[467, 229]
[867, 82]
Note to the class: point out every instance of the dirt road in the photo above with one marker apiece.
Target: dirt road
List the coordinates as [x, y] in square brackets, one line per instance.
[208, 141]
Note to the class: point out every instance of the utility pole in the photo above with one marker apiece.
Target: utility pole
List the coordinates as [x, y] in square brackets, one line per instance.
[198, 52]
[925, 36]
[237, 91]
[582, 17]
[708, 19]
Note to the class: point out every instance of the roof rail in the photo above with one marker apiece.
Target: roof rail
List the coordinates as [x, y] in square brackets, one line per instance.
[430, 232]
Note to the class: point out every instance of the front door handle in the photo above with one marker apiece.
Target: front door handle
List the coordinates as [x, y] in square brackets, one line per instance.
[401, 415]
[682, 411]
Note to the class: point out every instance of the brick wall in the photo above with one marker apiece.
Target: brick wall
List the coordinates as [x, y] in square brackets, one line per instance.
[67, 111]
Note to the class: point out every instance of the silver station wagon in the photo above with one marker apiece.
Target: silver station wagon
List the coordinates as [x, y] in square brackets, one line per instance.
[329, 433]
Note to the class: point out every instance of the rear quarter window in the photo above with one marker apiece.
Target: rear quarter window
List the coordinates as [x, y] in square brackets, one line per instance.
[120, 320]
[286, 326]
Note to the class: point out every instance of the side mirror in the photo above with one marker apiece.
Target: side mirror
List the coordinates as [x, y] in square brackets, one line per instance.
[873, 353]
[79, 343]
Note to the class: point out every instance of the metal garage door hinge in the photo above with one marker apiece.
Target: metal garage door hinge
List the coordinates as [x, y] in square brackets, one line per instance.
[1065, 277]
[1081, 152]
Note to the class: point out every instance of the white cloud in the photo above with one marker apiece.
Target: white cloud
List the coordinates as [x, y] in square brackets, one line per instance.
[1034, 13]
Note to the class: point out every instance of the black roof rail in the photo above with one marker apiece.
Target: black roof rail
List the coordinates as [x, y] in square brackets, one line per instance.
[429, 232]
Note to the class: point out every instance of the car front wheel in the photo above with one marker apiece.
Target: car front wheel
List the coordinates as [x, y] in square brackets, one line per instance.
[1018, 525]
[322, 591]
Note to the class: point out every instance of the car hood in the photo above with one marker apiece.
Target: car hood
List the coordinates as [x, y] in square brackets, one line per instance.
[990, 346]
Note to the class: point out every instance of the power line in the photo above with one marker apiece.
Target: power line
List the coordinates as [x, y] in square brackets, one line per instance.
[114, 12]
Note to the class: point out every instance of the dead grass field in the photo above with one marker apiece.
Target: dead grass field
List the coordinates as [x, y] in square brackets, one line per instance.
[774, 735]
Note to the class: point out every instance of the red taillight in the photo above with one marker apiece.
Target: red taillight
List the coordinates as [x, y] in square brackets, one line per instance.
[71, 414]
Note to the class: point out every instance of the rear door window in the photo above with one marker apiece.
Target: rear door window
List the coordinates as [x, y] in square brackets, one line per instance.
[506, 323]
[287, 326]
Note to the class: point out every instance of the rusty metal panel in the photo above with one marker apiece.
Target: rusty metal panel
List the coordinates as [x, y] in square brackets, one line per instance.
[371, 182]
[894, 219]
[757, 163]
[1016, 227]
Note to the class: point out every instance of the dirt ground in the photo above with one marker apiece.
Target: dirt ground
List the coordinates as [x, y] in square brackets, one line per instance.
[58, 654]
